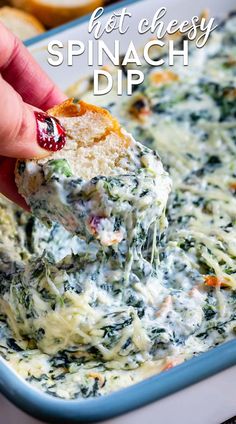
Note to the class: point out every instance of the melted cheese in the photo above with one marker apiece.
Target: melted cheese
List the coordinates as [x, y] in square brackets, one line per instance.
[79, 325]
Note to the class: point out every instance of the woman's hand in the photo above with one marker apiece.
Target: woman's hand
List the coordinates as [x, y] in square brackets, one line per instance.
[24, 90]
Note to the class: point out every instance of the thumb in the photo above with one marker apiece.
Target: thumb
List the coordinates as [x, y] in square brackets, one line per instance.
[25, 131]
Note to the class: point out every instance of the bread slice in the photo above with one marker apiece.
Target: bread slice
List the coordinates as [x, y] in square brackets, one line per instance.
[56, 12]
[95, 143]
[100, 182]
[22, 24]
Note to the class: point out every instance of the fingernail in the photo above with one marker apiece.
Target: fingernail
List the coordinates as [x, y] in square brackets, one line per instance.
[50, 133]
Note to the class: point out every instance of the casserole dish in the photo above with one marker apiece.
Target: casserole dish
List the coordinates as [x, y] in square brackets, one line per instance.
[151, 389]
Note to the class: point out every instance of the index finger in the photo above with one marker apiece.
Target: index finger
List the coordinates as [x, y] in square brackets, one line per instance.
[21, 71]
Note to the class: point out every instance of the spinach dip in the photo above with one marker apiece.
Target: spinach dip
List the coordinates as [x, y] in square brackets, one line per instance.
[79, 317]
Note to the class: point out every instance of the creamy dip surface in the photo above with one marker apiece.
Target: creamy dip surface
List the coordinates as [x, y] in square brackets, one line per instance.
[78, 320]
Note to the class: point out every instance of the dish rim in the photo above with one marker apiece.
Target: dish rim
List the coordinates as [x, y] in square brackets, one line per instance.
[107, 9]
[46, 408]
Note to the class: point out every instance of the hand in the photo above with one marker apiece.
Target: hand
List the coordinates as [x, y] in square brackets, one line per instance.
[24, 90]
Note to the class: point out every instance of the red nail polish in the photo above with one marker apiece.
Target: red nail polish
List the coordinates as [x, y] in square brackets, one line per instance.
[50, 133]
